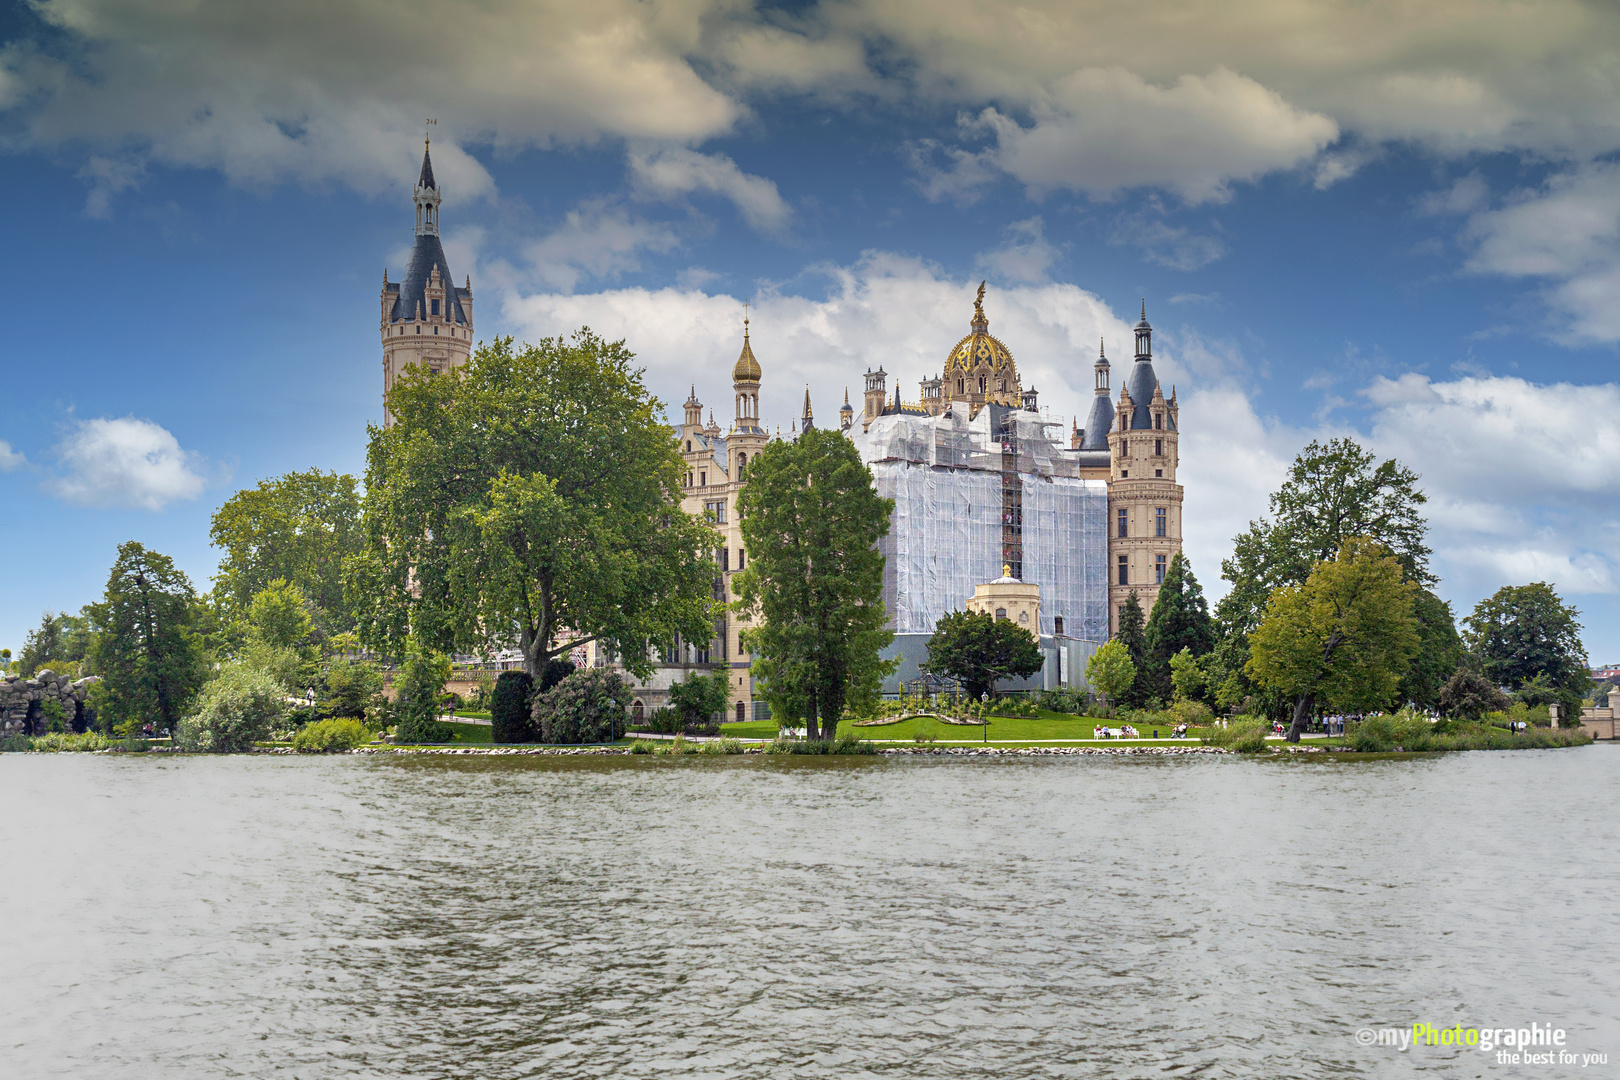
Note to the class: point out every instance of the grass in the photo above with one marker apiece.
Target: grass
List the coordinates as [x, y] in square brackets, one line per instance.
[1046, 726]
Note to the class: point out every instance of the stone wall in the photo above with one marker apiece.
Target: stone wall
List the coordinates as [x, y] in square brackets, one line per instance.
[22, 702]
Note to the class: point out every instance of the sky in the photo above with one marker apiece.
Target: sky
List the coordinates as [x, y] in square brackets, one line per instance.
[1383, 220]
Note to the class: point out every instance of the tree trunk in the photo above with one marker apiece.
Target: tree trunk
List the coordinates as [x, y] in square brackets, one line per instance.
[1303, 708]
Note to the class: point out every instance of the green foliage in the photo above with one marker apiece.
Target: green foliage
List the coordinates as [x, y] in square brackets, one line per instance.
[843, 745]
[1410, 732]
[1179, 622]
[509, 708]
[336, 734]
[41, 644]
[1469, 695]
[1064, 699]
[350, 685]
[1189, 677]
[150, 662]
[1133, 635]
[59, 742]
[278, 616]
[528, 492]
[700, 698]
[240, 706]
[978, 651]
[296, 528]
[1343, 639]
[421, 680]
[587, 707]
[1523, 632]
[811, 521]
[1439, 652]
[1110, 671]
[1245, 736]
[292, 669]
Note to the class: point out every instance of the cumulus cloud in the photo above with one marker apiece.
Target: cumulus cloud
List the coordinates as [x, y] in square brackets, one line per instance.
[672, 172]
[127, 463]
[10, 459]
[596, 240]
[1176, 247]
[1567, 234]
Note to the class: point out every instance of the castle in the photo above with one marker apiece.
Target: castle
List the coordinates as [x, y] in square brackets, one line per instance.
[983, 488]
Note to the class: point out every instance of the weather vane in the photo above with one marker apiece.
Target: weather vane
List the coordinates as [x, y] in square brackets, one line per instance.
[745, 314]
[431, 123]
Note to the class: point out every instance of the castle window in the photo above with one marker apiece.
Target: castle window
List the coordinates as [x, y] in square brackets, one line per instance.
[1158, 569]
[960, 386]
[741, 648]
[1158, 420]
[688, 446]
[1158, 448]
[1001, 614]
[725, 560]
[742, 465]
[1158, 472]
[739, 712]
[1057, 625]
[740, 558]
[703, 479]
[435, 307]
[418, 329]
[1124, 524]
[1159, 514]
[1124, 569]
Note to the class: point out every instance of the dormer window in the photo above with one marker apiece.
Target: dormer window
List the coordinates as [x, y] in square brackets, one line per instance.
[435, 307]
[1158, 420]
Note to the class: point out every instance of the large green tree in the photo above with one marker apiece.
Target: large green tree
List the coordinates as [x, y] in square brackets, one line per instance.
[1333, 492]
[300, 528]
[1110, 671]
[1179, 620]
[149, 660]
[978, 651]
[1522, 632]
[530, 498]
[45, 642]
[1439, 652]
[1343, 638]
[811, 522]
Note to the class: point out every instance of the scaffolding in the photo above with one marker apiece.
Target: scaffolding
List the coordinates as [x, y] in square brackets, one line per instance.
[973, 495]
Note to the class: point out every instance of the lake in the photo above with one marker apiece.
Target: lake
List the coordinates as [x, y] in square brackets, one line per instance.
[309, 917]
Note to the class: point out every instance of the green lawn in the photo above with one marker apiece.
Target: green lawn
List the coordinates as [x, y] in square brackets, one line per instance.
[471, 733]
[1045, 725]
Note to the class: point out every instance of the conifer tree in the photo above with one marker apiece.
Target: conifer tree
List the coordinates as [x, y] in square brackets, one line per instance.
[150, 662]
[1133, 636]
[1180, 620]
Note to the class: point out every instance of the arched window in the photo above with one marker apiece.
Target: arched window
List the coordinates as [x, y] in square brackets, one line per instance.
[636, 710]
[1001, 613]
[742, 466]
[741, 715]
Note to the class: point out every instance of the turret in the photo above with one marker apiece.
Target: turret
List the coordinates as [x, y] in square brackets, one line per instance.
[877, 394]
[745, 376]
[694, 409]
[846, 415]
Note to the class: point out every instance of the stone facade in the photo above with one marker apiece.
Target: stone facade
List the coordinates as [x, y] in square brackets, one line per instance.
[23, 702]
[1009, 598]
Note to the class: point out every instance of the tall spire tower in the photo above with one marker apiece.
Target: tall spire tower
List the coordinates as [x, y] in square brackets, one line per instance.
[427, 318]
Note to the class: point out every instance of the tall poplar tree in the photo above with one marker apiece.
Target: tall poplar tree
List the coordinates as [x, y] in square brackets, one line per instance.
[811, 522]
[151, 664]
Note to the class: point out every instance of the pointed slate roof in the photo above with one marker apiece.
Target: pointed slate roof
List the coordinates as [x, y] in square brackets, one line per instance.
[426, 179]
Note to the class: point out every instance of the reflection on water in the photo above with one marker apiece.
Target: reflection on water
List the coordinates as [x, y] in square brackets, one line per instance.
[625, 917]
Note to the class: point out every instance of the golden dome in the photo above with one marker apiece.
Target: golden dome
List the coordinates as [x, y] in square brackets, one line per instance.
[980, 348]
[746, 368]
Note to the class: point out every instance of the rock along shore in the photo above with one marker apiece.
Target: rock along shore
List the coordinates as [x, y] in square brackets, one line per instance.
[914, 751]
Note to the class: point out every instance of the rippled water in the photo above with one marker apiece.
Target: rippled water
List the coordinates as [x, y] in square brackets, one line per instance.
[492, 918]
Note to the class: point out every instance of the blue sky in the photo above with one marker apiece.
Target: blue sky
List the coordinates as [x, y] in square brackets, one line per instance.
[1372, 220]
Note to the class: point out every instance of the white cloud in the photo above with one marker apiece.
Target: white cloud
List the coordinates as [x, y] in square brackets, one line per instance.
[125, 463]
[1567, 234]
[595, 240]
[10, 459]
[1103, 129]
[1027, 255]
[671, 172]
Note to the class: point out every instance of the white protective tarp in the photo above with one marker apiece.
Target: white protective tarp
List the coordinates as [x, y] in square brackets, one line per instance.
[945, 536]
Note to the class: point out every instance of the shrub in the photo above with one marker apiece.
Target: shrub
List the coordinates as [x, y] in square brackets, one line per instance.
[1245, 736]
[338, 733]
[350, 685]
[509, 708]
[844, 745]
[240, 706]
[421, 680]
[56, 717]
[644, 746]
[1383, 732]
[586, 707]
[665, 721]
[699, 698]
[721, 747]
[1469, 695]
[15, 744]
[59, 742]
[1065, 699]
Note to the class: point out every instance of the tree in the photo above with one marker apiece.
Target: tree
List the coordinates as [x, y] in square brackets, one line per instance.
[1188, 677]
[1468, 695]
[421, 681]
[978, 651]
[1342, 639]
[525, 494]
[509, 709]
[240, 706]
[1333, 493]
[43, 643]
[1110, 670]
[811, 522]
[278, 615]
[1133, 635]
[349, 687]
[1439, 652]
[1524, 631]
[699, 697]
[1179, 620]
[149, 660]
[299, 528]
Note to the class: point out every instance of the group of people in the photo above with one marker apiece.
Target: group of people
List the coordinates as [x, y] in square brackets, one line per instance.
[1125, 732]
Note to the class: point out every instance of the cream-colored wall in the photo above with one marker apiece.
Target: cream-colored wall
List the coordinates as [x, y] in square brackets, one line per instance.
[1141, 481]
[1021, 601]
